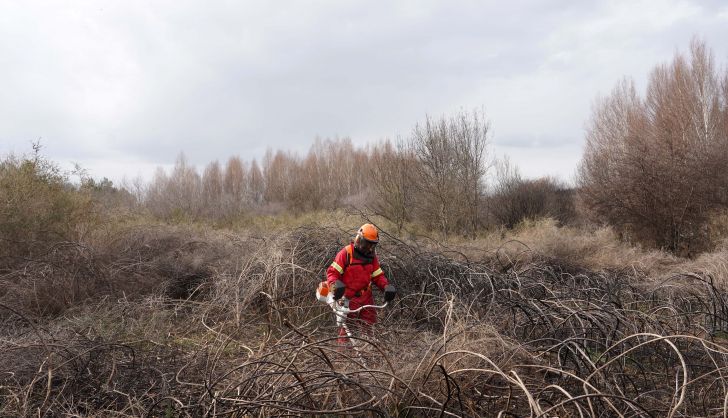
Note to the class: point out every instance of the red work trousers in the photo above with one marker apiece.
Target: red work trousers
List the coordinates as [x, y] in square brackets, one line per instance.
[360, 325]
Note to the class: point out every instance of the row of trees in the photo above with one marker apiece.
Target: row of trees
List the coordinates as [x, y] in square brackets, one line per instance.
[325, 178]
[436, 178]
[654, 167]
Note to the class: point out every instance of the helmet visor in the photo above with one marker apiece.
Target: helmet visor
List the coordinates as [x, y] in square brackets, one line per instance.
[365, 245]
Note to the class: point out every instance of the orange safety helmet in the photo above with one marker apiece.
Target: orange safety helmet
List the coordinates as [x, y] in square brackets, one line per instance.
[369, 232]
[366, 239]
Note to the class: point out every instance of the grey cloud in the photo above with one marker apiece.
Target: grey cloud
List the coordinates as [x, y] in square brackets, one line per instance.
[533, 140]
[148, 80]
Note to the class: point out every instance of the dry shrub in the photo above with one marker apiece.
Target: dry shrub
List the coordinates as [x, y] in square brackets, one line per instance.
[112, 201]
[118, 262]
[466, 337]
[515, 199]
[595, 248]
[713, 265]
[532, 199]
[68, 274]
[718, 230]
[111, 361]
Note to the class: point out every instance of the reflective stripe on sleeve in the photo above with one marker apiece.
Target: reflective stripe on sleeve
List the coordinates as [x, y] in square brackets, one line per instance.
[377, 272]
[337, 267]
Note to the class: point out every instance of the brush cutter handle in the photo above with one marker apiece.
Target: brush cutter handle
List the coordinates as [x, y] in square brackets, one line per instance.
[339, 288]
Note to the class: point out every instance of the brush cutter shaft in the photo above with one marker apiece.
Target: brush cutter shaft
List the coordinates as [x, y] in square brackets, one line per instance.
[341, 306]
[342, 313]
[344, 310]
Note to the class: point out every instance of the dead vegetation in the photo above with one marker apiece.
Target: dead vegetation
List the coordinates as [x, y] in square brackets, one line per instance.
[195, 323]
[104, 312]
[654, 164]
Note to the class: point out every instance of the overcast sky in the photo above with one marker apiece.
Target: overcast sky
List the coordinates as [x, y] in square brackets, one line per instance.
[122, 87]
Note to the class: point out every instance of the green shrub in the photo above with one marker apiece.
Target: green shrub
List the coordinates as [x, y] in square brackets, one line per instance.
[38, 209]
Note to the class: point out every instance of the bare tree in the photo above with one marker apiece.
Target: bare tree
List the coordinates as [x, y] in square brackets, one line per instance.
[278, 174]
[655, 168]
[185, 187]
[325, 164]
[212, 189]
[452, 165]
[155, 200]
[392, 194]
[256, 184]
[235, 184]
[471, 138]
[136, 187]
[307, 190]
[178, 194]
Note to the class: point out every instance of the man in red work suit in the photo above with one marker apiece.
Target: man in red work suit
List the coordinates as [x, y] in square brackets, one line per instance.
[356, 267]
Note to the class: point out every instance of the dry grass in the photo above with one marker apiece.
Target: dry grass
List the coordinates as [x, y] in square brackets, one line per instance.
[592, 248]
[220, 323]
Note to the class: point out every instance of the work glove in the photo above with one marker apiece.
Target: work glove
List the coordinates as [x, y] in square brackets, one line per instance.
[389, 293]
[339, 289]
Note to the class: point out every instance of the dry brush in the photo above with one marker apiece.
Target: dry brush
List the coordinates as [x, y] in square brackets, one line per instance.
[226, 325]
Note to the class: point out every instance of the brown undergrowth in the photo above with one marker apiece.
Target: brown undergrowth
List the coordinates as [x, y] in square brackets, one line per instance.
[173, 321]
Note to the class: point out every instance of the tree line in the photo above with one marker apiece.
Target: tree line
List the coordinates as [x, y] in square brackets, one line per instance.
[323, 179]
[436, 178]
[654, 168]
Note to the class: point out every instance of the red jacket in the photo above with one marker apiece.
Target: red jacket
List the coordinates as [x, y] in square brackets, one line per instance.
[357, 276]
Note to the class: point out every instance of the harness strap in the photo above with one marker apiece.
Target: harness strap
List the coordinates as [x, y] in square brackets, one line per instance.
[347, 263]
[367, 289]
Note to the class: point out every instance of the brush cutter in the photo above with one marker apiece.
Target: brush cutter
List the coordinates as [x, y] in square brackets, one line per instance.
[334, 297]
